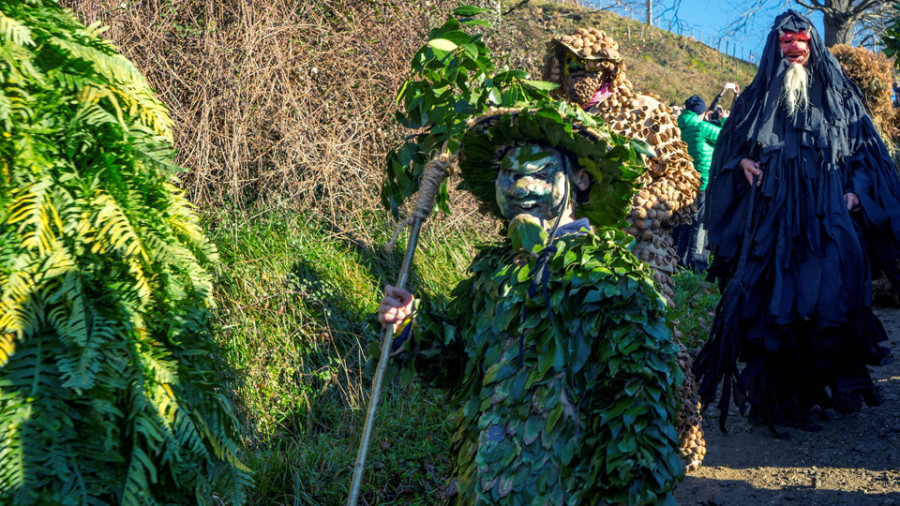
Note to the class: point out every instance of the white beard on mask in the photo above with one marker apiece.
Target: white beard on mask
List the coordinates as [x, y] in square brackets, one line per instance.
[795, 94]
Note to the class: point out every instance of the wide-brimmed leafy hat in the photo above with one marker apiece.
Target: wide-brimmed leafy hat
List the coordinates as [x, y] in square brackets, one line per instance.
[451, 101]
[610, 160]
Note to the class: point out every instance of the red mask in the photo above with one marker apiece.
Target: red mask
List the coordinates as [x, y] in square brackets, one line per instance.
[795, 46]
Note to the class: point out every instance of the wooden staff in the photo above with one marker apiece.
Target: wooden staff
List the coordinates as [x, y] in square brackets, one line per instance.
[436, 170]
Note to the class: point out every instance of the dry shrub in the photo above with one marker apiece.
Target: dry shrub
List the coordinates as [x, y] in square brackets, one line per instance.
[873, 73]
[291, 99]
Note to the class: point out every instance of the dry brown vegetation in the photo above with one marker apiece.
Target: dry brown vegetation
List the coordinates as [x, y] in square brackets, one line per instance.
[292, 100]
[286, 98]
[873, 73]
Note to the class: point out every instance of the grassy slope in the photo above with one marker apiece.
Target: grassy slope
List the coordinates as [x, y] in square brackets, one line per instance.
[297, 292]
[671, 66]
[295, 318]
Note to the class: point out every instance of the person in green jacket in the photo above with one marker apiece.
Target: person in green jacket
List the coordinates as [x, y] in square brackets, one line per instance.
[700, 136]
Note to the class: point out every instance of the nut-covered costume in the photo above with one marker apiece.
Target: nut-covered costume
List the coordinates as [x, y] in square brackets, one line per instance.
[589, 69]
[670, 185]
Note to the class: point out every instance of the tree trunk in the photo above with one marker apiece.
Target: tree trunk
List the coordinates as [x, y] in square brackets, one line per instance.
[650, 12]
[838, 28]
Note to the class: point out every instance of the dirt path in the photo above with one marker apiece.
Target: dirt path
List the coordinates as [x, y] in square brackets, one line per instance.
[854, 460]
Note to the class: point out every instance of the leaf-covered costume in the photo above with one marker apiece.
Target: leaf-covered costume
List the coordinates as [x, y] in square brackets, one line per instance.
[558, 359]
[563, 389]
[806, 323]
[589, 69]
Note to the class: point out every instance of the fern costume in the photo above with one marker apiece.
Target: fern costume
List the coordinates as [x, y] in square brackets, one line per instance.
[109, 386]
[556, 352]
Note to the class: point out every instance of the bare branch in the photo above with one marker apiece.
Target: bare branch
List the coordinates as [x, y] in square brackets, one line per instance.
[816, 5]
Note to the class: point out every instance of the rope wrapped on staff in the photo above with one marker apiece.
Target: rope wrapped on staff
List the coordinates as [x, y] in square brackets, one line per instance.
[437, 170]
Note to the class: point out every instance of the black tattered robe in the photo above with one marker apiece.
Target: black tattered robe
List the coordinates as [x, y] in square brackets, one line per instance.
[804, 327]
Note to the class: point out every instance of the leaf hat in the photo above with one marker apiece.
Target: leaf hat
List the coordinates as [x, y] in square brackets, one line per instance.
[609, 159]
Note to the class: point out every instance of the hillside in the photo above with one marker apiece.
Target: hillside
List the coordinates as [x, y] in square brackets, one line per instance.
[671, 66]
[284, 113]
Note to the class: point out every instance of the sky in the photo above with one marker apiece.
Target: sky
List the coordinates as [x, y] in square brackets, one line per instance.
[710, 20]
[713, 17]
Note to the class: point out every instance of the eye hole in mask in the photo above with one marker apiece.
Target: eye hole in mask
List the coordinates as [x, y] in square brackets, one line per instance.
[574, 65]
[788, 36]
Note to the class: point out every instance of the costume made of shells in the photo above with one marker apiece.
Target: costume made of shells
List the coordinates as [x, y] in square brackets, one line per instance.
[668, 188]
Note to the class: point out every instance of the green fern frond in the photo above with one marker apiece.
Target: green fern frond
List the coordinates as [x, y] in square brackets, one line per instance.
[36, 216]
[12, 465]
[92, 115]
[109, 391]
[7, 347]
[91, 94]
[188, 436]
[116, 235]
[84, 333]
[141, 473]
[68, 80]
[28, 417]
[14, 105]
[13, 31]
[183, 223]
[157, 366]
[6, 110]
[152, 151]
[113, 66]
[19, 60]
[56, 264]
[96, 29]
[125, 82]
[18, 311]
[142, 104]
[212, 428]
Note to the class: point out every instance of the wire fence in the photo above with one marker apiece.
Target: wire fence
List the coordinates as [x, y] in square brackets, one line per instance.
[637, 10]
[866, 34]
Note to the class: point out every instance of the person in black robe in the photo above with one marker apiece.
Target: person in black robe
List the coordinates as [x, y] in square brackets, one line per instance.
[825, 214]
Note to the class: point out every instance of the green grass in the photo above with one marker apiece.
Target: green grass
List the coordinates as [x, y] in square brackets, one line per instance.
[296, 303]
[695, 307]
[407, 462]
